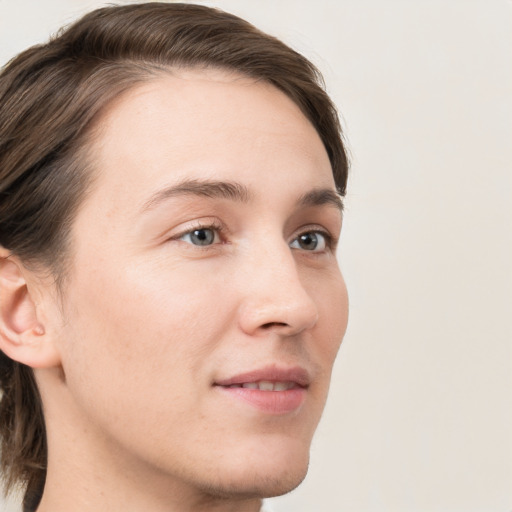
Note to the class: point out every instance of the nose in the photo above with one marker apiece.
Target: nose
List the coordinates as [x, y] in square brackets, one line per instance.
[275, 298]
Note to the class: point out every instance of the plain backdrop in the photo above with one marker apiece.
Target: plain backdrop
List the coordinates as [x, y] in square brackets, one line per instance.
[420, 413]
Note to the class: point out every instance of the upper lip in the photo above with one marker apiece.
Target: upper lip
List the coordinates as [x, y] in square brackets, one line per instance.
[295, 374]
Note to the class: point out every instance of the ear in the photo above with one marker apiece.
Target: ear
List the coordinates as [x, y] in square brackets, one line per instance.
[23, 337]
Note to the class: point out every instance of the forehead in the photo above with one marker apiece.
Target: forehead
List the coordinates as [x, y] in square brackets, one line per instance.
[209, 123]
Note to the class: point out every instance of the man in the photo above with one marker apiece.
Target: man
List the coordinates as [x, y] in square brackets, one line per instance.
[171, 304]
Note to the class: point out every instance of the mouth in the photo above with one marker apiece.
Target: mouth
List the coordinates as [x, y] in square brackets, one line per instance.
[266, 385]
[270, 390]
[264, 378]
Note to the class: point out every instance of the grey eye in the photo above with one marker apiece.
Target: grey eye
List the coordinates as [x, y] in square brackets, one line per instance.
[201, 237]
[310, 241]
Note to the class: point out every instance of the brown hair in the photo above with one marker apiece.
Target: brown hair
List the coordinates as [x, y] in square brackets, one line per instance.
[50, 95]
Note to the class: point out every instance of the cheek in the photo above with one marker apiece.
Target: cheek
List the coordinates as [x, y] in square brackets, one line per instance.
[339, 303]
[135, 352]
[141, 323]
[332, 301]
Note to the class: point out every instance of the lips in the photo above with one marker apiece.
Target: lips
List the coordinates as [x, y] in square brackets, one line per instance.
[270, 390]
[288, 377]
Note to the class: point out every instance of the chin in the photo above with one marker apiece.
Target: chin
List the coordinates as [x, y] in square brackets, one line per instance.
[257, 477]
[282, 484]
[257, 485]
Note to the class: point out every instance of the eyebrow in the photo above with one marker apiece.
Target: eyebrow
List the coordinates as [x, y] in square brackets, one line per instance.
[321, 197]
[236, 192]
[211, 189]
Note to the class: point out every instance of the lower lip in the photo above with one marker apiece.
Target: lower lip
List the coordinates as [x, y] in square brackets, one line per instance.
[270, 402]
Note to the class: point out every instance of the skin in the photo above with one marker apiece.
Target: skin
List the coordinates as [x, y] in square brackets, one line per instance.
[149, 321]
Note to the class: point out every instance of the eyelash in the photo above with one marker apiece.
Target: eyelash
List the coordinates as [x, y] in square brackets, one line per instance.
[220, 231]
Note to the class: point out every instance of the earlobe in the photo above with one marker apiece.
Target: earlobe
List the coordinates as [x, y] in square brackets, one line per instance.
[23, 337]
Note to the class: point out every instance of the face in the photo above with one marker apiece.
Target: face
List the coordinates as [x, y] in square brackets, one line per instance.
[205, 307]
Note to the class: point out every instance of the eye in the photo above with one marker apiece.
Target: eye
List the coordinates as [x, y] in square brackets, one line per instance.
[201, 236]
[313, 241]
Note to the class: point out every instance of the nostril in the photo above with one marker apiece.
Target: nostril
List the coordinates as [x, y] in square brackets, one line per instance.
[269, 325]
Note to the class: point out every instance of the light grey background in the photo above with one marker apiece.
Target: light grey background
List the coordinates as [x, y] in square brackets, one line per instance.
[420, 414]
